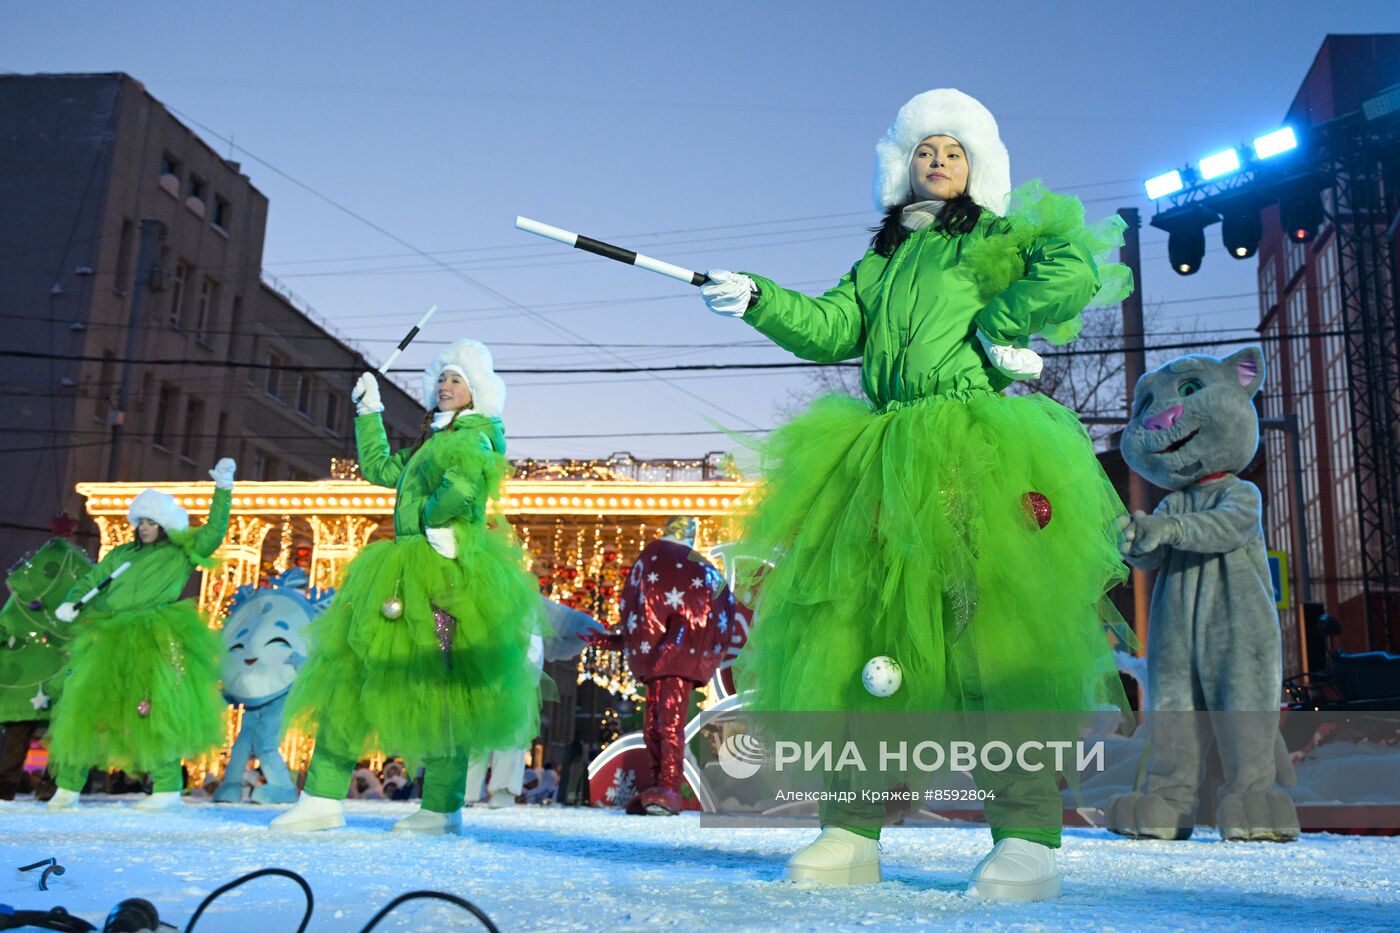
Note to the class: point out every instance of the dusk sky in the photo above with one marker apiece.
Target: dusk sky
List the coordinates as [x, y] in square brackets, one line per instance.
[730, 135]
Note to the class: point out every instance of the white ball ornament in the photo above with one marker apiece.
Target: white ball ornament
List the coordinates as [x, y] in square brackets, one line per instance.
[392, 608]
[882, 676]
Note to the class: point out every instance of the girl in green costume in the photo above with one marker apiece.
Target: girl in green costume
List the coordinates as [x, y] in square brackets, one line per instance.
[902, 526]
[144, 688]
[424, 650]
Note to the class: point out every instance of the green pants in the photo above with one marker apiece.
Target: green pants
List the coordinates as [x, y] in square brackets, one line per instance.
[1026, 805]
[164, 779]
[1021, 804]
[444, 780]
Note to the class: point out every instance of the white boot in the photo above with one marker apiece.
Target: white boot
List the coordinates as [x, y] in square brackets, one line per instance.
[501, 798]
[1016, 870]
[838, 856]
[157, 802]
[64, 799]
[309, 814]
[430, 823]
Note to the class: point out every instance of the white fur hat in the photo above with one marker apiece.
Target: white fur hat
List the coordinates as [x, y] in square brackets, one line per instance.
[159, 508]
[943, 112]
[473, 361]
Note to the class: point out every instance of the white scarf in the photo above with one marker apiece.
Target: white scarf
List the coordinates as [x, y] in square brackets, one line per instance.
[920, 214]
[442, 419]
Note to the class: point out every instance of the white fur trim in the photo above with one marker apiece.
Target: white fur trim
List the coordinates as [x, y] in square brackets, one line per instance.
[943, 112]
[159, 508]
[473, 361]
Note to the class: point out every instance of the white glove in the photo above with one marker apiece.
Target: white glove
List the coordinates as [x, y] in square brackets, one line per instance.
[1012, 362]
[222, 474]
[365, 395]
[443, 541]
[728, 293]
[66, 613]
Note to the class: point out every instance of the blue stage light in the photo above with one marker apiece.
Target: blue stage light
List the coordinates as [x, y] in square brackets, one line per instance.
[1271, 144]
[1164, 184]
[1220, 163]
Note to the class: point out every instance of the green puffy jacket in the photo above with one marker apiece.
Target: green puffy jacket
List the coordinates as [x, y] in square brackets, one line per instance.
[447, 479]
[913, 317]
[159, 571]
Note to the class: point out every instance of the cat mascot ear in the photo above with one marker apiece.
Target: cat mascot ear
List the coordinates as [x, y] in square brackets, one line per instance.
[1249, 366]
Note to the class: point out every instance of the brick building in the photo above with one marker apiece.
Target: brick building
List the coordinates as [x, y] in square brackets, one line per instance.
[1301, 302]
[127, 239]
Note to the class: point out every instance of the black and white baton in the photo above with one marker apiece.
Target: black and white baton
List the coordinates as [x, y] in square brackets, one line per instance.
[407, 339]
[92, 593]
[599, 248]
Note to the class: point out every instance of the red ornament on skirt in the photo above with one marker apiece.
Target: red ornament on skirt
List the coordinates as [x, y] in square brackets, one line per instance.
[1037, 508]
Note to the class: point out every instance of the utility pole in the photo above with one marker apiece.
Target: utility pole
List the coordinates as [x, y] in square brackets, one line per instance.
[153, 234]
[1134, 365]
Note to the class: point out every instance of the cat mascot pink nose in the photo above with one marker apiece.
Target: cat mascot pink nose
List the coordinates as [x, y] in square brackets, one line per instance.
[1163, 419]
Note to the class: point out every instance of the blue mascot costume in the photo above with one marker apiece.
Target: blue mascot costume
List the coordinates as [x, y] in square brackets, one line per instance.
[265, 639]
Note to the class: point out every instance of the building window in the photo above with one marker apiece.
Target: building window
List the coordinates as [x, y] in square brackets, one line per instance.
[165, 413]
[206, 309]
[195, 189]
[332, 419]
[1295, 254]
[304, 382]
[275, 362]
[106, 389]
[235, 320]
[194, 426]
[221, 435]
[1278, 532]
[177, 292]
[223, 212]
[122, 281]
[1268, 288]
[169, 165]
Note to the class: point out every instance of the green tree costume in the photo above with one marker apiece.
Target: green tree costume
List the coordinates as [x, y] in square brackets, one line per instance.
[451, 676]
[899, 526]
[33, 649]
[144, 688]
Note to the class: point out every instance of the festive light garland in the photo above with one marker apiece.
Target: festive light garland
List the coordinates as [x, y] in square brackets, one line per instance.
[580, 498]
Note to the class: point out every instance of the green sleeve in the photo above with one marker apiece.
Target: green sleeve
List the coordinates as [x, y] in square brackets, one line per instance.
[463, 482]
[827, 329]
[211, 534]
[1060, 280]
[377, 465]
[100, 571]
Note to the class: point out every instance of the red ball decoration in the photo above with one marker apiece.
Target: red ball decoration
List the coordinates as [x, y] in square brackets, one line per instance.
[546, 580]
[609, 557]
[143, 709]
[1037, 508]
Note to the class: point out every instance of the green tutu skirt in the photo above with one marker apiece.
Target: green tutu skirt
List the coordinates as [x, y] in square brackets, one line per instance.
[909, 533]
[143, 693]
[448, 677]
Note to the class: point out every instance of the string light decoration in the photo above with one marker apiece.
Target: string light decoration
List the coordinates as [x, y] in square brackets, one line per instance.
[284, 552]
[580, 522]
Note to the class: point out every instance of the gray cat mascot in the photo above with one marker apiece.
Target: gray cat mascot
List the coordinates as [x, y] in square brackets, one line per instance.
[1213, 642]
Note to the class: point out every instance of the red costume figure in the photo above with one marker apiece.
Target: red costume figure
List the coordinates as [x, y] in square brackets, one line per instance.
[677, 621]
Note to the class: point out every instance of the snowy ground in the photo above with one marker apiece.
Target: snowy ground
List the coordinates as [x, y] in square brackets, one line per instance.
[550, 868]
